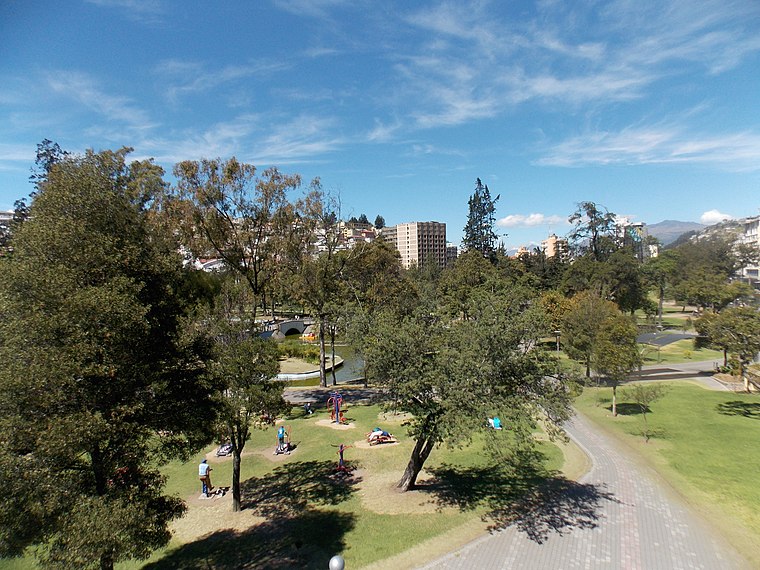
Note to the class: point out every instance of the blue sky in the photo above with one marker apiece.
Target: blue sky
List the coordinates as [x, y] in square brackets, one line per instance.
[650, 108]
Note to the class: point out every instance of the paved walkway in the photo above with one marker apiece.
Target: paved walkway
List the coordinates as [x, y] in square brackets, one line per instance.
[619, 518]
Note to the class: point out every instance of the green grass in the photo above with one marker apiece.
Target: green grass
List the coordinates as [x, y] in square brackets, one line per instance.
[679, 352]
[706, 447]
[308, 514]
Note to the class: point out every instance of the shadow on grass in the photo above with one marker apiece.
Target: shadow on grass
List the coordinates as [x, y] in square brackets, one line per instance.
[533, 500]
[739, 408]
[296, 534]
[308, 540]
[626, 409]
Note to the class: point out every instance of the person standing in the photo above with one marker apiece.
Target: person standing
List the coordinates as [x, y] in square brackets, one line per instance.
[204, 474]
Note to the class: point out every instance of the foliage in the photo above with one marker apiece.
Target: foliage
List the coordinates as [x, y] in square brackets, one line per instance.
[379, 222]
[615, 352]
[245, 366]
[223, 209]
[734, 330]
[98, 384]
[450, 375]
[581, 325]
[593, 231]
[479, 232]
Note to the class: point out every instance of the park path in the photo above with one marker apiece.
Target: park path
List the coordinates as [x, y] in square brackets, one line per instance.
[633, 524]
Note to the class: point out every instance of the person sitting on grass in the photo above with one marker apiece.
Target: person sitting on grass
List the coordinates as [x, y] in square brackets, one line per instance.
[494, 422]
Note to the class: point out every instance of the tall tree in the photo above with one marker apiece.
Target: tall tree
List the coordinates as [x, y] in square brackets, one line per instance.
[98, 386]
[225, 210]
[615, 352]
[317, 268]
[479, 232]
[379, 222]
[245, 366]
[593, 231]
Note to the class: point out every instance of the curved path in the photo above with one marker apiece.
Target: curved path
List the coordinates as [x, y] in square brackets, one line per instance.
[630, 522]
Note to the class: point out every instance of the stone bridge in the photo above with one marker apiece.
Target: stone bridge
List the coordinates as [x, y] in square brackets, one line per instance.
[292, 326]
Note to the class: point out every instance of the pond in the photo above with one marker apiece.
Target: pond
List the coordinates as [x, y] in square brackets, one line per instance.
[352, 368]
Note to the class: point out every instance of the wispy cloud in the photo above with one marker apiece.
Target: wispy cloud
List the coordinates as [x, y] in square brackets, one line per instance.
[187, 77]
[520, 220]
[659, 144]
[149, 11]
[301, 139]
[714, 217]
[311, 8]
[471, 64]
[87, 91]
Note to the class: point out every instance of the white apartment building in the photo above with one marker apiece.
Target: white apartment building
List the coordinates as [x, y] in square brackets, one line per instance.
[554, 246]
[750, 234]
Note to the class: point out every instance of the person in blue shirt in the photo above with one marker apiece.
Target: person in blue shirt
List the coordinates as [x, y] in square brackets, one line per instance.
[204, 474]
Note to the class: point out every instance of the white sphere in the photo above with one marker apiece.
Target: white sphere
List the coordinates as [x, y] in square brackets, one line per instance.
[337, 562]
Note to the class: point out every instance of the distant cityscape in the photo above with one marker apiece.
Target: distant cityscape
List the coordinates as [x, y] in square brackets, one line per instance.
[423, 242]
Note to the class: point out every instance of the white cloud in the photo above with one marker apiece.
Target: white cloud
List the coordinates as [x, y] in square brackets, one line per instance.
[84, 89]
[657, 144]
[713, 217]
[519, 220]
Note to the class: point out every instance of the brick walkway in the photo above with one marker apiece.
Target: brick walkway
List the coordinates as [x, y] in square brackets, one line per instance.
[629, 523]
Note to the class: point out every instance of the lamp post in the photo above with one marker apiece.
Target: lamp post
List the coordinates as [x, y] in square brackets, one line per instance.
[337, 562]
[557, 333]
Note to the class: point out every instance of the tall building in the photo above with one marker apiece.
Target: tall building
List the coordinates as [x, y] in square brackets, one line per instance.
[418, 242]
[635, 236]
[554, 246]
[452, 252]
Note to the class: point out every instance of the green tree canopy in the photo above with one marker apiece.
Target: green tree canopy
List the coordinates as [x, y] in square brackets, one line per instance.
[479, 232]
[98, 385]
[451, 375]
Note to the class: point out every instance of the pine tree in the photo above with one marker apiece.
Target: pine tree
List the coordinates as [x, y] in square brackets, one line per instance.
[479, 232]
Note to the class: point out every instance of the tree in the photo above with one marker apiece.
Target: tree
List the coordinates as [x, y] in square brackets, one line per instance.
[581, 325]
[363, 219]
[379, 222]
[246, 366]
[470, 273]
[451, 374]
[317, 268]
[644, 395]
[658, 273]
[223, 209]
[594, 231]
[736, 330]
[99, 384]
[479, 232]
[615, 352]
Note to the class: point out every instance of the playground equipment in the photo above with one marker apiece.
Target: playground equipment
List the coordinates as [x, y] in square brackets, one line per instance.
[335, 403]
[341, 462]
[377, 436]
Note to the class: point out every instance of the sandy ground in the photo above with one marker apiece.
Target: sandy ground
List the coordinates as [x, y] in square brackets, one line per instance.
[333, 425]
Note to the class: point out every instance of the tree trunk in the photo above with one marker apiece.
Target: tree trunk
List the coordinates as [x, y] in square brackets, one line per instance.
[106, 561]
[614, 400]
[332, 349]
[420, 453]
[725, 357]
[659, 305]
[236, 499]
[322, 355]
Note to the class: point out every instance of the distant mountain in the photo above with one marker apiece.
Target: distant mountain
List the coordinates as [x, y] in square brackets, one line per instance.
[669, 231]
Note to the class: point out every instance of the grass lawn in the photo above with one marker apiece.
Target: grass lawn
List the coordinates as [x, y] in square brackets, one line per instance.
[679, 352]
[298, 513]
[706, 448]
